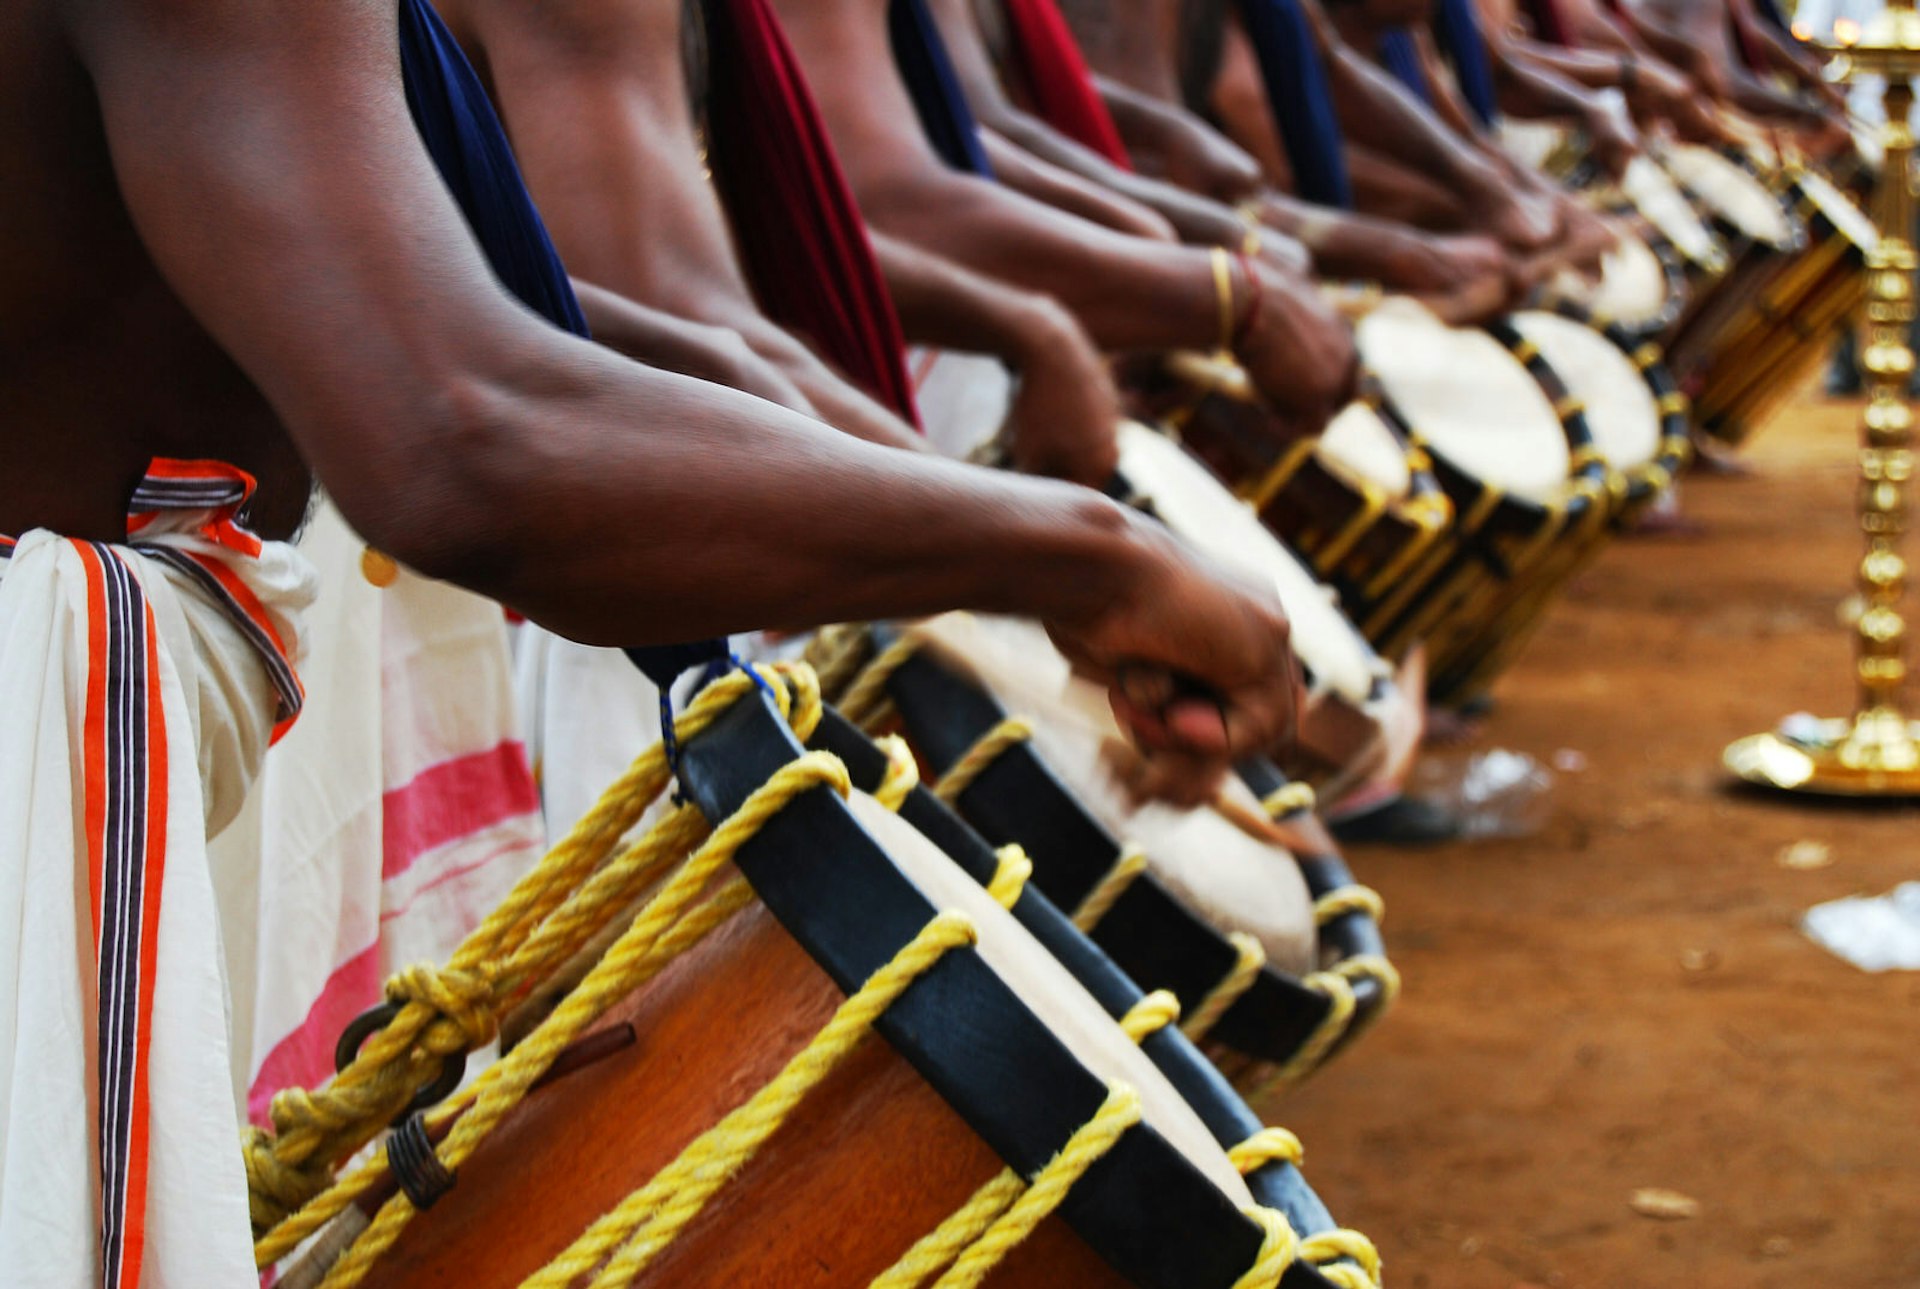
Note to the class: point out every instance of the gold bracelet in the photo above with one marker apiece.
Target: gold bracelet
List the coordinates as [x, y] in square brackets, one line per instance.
[1223, 288]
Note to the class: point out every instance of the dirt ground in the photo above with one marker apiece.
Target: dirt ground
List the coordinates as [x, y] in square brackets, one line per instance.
[1623, 1000]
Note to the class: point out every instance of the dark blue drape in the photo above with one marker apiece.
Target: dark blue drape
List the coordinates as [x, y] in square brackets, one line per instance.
[464, 136]
[927, 68]
[1302, 101]
[1456, 26]
[1400, 56]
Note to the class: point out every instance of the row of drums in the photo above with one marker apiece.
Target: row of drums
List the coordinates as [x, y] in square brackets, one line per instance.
[973, 1015]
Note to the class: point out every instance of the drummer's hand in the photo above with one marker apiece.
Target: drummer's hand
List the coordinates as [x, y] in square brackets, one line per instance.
[1442, 264]
[1064, 414]
[1297, 349]
[1183, 616]
[1176, 778]
[1524, 222]
[1615, 138]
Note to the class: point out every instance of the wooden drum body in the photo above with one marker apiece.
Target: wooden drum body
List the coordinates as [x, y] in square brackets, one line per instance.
[1740, 358]
[998, 1069]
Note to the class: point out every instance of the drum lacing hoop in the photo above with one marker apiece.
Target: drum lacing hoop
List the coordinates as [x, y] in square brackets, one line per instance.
[551, 912]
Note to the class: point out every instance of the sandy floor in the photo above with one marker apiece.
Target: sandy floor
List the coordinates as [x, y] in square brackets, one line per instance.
[1623, 1000]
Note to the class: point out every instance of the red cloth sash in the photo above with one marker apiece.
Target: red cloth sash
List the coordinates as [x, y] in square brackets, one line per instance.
[800, 232]
[1058, 81]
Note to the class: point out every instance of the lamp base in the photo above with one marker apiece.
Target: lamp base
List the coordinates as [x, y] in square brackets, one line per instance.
[1874, 754]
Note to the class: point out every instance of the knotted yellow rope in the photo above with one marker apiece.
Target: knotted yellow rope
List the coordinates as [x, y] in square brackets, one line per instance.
[1343, 900]
[447, 1011]
[647, 945]
[1265, 1147]
[1107, 892]
[992, 745]
[1250, 957]
[1279, 1249]
[1326, 1250]
[1011, 876]
[1150, 1015]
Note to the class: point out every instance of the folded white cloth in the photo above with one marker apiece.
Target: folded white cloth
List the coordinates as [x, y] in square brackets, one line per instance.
[142, 684]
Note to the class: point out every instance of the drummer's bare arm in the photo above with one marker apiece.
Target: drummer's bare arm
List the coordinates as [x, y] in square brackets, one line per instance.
[286, 198]
[696, 349]
[1043, 179]
[1064, 413]
[1195, 219]
[1168, 140]
[1380, 115]
[1529, 89]
[1130, 294]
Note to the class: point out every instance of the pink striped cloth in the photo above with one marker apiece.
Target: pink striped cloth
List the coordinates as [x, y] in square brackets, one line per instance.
[389, 821]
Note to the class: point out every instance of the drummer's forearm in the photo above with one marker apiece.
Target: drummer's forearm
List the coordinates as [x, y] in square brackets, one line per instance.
[1379, 113]
[1129, 293]
[1191, 152]
[949, 306]
[1530, 88]
[1195, 219]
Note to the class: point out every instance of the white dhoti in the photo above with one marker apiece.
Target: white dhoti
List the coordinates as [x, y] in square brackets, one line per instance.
[141, 685]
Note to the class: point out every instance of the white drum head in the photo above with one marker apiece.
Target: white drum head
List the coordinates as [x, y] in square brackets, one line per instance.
[1234, 881]
[1358, 446]
[1050, 992]
[1659, 199]
[1621, 410]
[1197, 507]
[1632, 287]
[1734, 195]
[1853, 223]
[1469, 398]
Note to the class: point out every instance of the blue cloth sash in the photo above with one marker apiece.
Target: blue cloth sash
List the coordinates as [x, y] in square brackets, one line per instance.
[1300, 98]
[927, 68]
[469, 147]
[1401, 57]
[1456, 26]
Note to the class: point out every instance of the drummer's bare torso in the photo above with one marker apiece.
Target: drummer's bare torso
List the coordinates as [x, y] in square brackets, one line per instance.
[629, 205]
[101, 367]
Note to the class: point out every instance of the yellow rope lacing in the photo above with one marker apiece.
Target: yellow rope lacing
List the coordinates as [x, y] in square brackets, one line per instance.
[1150, 1015]
[1337, 986]
[1010, 875]
[865, 701]
[902, 776]
[992, 745]
[1349, 899]
[1265, 1147]
[1289, 799]
[836, 653]
[1107, 892]
[551, 911]
[535, 929]
[629, 1237]
[654, 938]
[1326, 1250]
[1249, 958]
[973, 1250]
